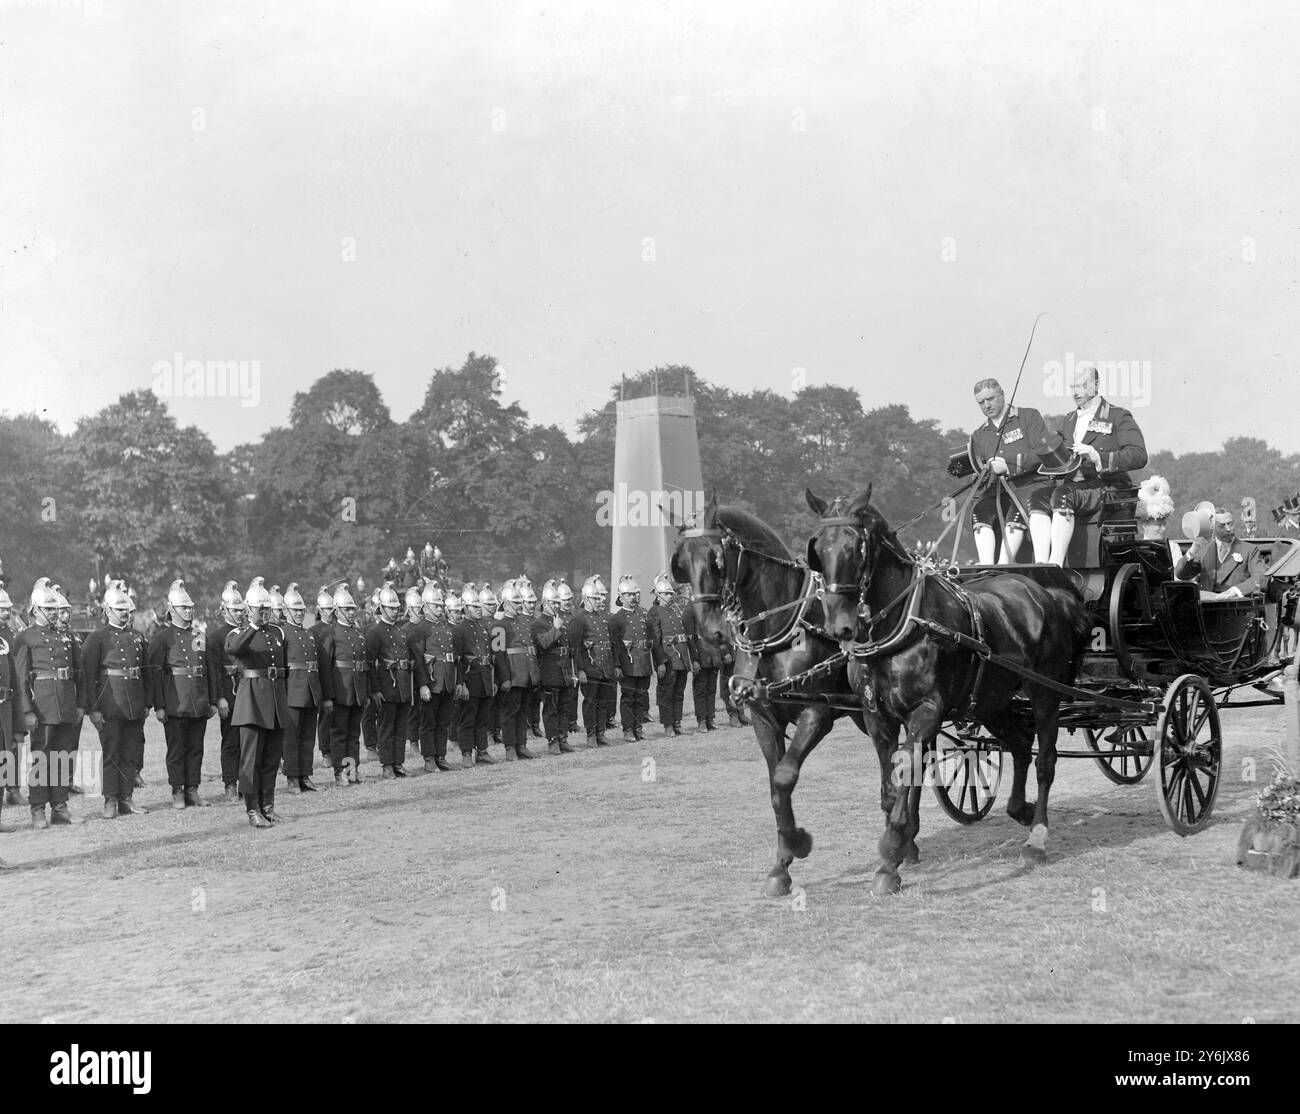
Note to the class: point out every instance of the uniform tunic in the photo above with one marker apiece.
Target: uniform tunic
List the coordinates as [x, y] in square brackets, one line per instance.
[555, 667]
[515, 662]
[181, 688]
[306, 690]
[432, 641]
[261, 708]
[47, 664]
[471, 643]
[343, 650]
[115, 671]
[222, 671]
[631, 634]
[593, 654]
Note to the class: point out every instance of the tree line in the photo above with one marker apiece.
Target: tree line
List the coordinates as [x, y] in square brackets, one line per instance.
[345, 485]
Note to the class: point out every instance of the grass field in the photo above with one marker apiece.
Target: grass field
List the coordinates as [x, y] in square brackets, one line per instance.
[624, 885]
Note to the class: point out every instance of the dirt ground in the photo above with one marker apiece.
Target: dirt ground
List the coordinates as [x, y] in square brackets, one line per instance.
[625, 885]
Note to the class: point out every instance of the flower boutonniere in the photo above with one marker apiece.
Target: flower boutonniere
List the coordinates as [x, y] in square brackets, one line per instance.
[1238, 558]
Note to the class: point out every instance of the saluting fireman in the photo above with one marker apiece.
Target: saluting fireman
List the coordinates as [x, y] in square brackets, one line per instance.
[261, 705]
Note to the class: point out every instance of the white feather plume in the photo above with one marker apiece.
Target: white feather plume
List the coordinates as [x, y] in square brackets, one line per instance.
[1154, 499]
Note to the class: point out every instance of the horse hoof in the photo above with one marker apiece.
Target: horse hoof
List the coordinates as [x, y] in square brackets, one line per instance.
[800, 843]
[912, 856]
[886, 885]
[777, 885]
[1032, 856]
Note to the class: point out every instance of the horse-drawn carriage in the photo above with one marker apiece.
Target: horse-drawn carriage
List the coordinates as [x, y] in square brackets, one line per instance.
[977, 661]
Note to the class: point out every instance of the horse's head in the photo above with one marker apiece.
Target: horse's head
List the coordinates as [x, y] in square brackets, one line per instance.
[843, 552]
[700, 560]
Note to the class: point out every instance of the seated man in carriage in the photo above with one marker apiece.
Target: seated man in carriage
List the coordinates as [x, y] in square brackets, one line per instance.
[1006, 442]
[1223, 567]
[1104, 444]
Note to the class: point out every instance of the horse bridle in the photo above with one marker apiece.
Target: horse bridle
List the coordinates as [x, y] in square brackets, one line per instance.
[853, 523]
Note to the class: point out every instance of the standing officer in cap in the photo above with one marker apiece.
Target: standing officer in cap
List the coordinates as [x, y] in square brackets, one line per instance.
[475, 686]
[593, 653]
[114, 663]
[630, 629]
[308, 693]
[343, 652]
[222, 670]
[179, 679]
[431, 639]
[517, 671]
[261, 709]
[672, 635]
[1222, 566]
[388, 649]
[12, 728]
[550, 632]
[1007, 443]
[46, 663]
[1106, 443]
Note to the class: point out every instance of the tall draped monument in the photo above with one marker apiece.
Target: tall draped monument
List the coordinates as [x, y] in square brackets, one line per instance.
[656, 470]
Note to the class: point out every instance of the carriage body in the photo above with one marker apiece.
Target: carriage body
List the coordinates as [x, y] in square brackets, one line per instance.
[1159, 665]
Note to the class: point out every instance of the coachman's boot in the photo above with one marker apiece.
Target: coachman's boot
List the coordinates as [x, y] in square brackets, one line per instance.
[178, 799]
[110, 809]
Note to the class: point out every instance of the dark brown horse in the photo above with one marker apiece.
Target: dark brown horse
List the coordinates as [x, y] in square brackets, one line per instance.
[735, 563]
[909, 674]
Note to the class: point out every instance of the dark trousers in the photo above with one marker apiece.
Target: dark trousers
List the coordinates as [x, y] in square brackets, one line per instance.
[259, 760]
[435, 724]
[635, 697]
[571, 706]
[555, 711]
[229, 751]
[184, 735]
[323, 733]
[299, 740]
[724, 686]
[53, 747]
[704, 687]
[671, 694]
[598, 704]
[495, 722]
[535, 709]
[472, 719]
[514, 715]
[370, 726]
[393, 719]
[120, 740]
[345, 736]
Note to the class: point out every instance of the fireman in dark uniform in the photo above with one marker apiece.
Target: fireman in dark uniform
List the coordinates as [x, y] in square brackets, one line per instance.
[47, 662]
[431, 638]
[475, 685]
[222, 670]
[593, 654]
[550, 631]
[261, 707]
[343, 653]
[366, 618]
[114, 664]
[528, 609]
[392, 666]
[309, 693]
[179, 679]
[630, 629]
[672, 641]
[704, 684]
[320, 629]
[12, 728]
[411, 616]
[517, 672]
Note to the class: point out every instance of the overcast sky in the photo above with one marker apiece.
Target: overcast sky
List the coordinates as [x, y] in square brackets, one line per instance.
[882, 194]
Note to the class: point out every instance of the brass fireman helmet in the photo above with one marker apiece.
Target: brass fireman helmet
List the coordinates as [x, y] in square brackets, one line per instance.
[295, 607]
[117, 605]
[232, 604]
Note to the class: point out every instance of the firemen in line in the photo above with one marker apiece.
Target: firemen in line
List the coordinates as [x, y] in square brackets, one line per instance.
[459, 666]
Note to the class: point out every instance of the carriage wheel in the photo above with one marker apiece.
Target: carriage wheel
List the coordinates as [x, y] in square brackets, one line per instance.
[1116, 758]
[966, 780]
[1189, 754]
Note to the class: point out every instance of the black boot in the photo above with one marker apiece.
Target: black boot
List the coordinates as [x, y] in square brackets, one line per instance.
[268, 807]
[255, 818]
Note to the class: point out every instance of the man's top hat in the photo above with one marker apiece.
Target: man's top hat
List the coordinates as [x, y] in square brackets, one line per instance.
[1199, 523]
[1056, 457]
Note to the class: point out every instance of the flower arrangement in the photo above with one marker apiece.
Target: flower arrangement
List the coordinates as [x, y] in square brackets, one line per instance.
[1155, 505]
[1270, 840]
